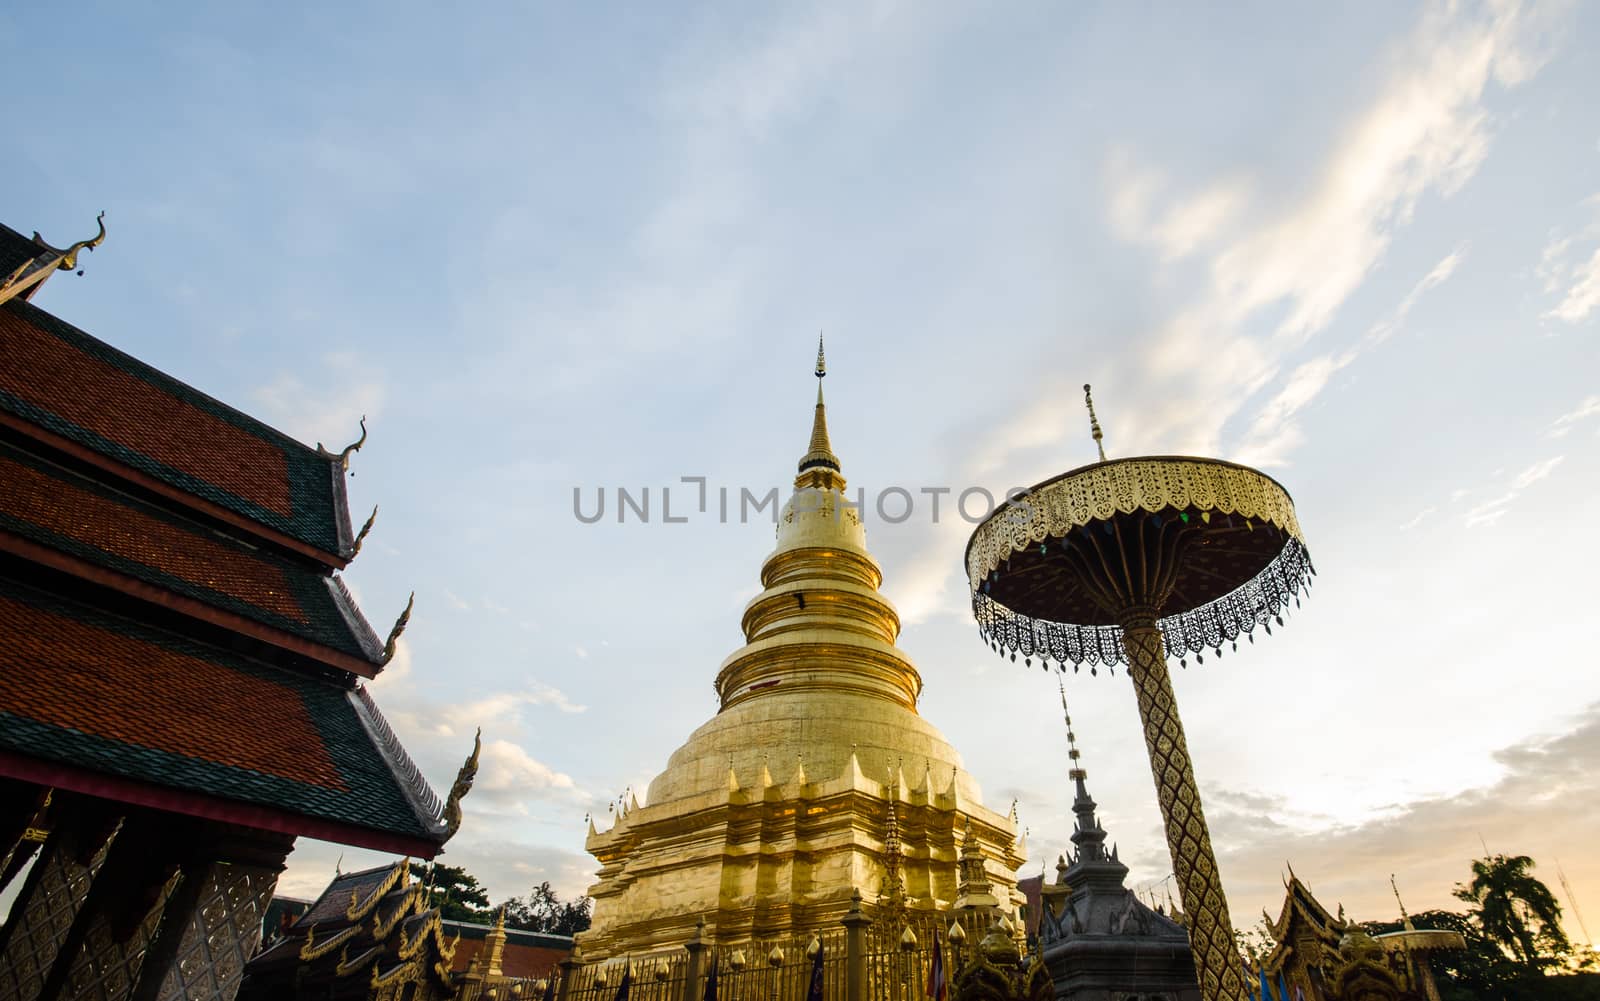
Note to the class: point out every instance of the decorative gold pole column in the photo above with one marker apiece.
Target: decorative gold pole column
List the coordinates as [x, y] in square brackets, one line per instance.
[1216, 955]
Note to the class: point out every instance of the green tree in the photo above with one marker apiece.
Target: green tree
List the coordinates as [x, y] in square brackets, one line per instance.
[544, 911]
[1516, 910]
[456, 892]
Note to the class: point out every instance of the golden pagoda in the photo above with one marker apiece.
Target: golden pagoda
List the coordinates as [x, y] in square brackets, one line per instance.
[816, 778]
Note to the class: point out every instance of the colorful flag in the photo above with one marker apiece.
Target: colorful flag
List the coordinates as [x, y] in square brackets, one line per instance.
[1283, 988]
[814, 992]
[936, 978]
[711, 981]
[1248, 976]
[1266, 988]
[627, 982]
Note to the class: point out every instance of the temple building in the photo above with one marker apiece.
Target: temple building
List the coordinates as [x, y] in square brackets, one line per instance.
[1329, 958]
[1100, 942]
[816, 778]
[372, 936]
[181, 668]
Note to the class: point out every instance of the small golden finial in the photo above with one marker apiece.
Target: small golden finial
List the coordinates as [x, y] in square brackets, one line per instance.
[1405, 919]
[399, 627]
[1094, 422]
[343, 458]
[361, 536]
[820, 454]
[69, 257]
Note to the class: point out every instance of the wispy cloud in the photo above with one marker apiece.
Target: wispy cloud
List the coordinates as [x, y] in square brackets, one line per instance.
[1274, 432]
[1584, 293]
[1418, 518]
[1491, 511]
[1527, 809]
[1590, 407]
[1278, 276]
[1578, 281]
[328, 410]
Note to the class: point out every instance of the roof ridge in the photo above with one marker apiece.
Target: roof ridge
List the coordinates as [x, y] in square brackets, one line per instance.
[345, 602]
[419, 794]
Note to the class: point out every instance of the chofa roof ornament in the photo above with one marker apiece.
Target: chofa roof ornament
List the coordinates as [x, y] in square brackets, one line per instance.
[343, 457]
[462, 786]
[69, 257]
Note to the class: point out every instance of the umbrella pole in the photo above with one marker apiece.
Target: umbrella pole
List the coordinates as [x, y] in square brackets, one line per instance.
[1216, 955]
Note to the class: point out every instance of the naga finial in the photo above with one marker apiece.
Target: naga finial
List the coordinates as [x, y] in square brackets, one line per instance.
[1094, 422]
[463, 785]
[361, 536]
[69, 257]
[343, 457]
[399, 627]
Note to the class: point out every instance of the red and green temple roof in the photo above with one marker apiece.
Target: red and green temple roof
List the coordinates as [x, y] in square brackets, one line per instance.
[58, 383]
[58, 517]
[106, 705]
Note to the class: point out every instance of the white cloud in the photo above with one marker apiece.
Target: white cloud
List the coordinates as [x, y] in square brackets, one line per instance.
[1590, 407]
[507, 772]
[329, 412]
[1536, 472]
[1491, 511]
[1532, 808]
[1274, 434]
[1584, 293]
[1418, 518]
[1581, 279]
[1277, 277]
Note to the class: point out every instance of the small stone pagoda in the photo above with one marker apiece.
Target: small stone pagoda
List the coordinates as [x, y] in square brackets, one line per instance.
[1100, 942]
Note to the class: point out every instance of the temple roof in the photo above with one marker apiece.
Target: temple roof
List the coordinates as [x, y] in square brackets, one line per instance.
[15, 251]
[93, 701]
[126, 539]
[56, 382]
[333, 904]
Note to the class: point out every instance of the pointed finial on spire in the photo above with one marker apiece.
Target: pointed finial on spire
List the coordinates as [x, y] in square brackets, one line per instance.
[1076, 773]
[1405, 918]
[820, 467]
[1094, 422]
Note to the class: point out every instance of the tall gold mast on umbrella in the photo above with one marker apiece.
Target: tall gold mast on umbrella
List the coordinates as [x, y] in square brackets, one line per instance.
[1130, 561]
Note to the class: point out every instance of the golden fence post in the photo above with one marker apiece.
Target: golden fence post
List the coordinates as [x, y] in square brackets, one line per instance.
[691, 969]
[569, 970]
[855, 950]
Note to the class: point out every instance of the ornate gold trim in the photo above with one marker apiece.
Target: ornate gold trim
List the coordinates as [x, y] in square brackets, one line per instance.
[316, 950]
[1122, 486]
[359, 908]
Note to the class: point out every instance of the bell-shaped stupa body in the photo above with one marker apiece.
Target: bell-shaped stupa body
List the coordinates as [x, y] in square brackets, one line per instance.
[815, 779]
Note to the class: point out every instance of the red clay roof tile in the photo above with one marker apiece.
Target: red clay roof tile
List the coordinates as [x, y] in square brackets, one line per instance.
[57, 670]
[52, 374]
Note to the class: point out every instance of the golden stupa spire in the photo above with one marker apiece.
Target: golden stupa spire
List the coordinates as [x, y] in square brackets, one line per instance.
[820, 467]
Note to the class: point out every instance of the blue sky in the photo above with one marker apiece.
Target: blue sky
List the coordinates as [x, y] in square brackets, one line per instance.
[544, 248]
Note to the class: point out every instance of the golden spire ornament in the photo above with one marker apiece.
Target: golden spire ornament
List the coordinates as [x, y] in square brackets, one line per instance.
[1094, 422]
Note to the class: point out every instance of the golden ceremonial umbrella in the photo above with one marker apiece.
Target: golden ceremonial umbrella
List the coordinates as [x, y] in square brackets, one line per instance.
[1130, 561]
